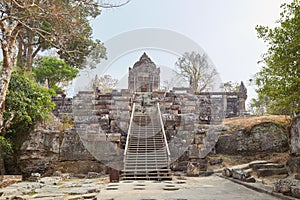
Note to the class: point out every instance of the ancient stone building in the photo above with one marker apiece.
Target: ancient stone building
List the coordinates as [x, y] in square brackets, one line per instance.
[104, 118]
[144, 76]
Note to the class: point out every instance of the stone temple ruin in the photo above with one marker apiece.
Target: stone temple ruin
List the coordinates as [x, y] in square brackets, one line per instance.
[145, 132]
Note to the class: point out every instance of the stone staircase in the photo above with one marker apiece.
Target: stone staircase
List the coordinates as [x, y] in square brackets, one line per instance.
[146, 154]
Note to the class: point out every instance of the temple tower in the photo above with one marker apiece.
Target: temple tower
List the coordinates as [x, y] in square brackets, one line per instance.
[242, 96]
[144, 76]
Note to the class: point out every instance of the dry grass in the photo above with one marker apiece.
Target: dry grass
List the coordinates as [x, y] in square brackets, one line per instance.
[248, 122]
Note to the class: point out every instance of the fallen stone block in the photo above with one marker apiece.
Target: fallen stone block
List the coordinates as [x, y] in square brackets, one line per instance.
[295, 191]
[240, 174]
[206, 173]
[216, 161]
[267, 166]
[89, 196]
[193, 169]
[227, 172]
[271, 172]
[34, 177]
[250, 179]
[57, 173]
[257, 162]
[283, 186]
[93, 175]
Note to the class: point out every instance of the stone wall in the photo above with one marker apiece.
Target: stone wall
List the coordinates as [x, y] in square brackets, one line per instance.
[46, 151]
[184, 115]
[262, 138]
[294, 143]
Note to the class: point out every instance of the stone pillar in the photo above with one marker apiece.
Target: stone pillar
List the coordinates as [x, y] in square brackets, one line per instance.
[242, 96]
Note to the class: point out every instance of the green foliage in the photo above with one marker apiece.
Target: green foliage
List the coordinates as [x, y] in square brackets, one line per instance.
[5, 147]
[67, 122]
[231, 86]
[279, 78]
[61, 25]
[258, 106]
[54, 71]
[27, 103]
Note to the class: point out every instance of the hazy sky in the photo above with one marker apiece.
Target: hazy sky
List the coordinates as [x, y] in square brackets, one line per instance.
[225, 29]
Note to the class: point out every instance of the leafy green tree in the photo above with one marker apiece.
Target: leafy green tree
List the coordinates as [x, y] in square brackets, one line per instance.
[30, 26]
[54, 71]
[27, 104]
[259, 106]
[195, 68]
[279, 78]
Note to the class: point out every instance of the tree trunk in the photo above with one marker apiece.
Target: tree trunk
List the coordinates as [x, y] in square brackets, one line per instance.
[29, 52]
[5, 77]
[8, 46]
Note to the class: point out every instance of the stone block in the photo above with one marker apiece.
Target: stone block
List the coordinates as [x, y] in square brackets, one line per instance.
[193, 169]
[35, 177]
[227, 172]
[295, 191]
[240, 174]
[216, 161]
[93, 175]
[293, 164]
[267, 166]
[283, 186]
[257, 162]
[250, 180]
[271, 172]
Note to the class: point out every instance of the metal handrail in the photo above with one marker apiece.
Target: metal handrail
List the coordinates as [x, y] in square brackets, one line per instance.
[163, 130]
[129, 129]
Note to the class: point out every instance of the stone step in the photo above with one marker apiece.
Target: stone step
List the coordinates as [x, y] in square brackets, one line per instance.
[156, 153]
[146, 153]
[146, 165]
[267, 166]
[145, 145]
[137, 156]
[162, 170]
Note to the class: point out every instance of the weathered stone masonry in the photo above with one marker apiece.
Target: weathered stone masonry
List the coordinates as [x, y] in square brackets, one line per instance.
[185, 113]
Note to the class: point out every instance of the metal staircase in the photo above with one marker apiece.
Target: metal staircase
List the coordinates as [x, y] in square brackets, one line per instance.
[146, 153]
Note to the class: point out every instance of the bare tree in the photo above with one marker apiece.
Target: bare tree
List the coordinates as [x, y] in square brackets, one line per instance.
[105, 83]
[196, 69]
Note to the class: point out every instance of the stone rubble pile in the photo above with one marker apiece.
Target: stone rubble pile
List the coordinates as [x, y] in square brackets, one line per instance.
[259, 169]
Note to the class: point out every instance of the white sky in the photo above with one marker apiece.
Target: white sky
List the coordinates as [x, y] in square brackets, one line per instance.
[225, 29]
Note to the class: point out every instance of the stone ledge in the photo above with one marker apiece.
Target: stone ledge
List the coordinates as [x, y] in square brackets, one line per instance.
[259, 188]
